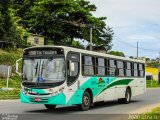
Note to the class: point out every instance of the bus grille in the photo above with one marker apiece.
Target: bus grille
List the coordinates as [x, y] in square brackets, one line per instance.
[43, 100]
[39, 94]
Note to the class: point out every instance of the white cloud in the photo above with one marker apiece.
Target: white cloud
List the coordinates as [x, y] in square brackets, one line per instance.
[132, 20]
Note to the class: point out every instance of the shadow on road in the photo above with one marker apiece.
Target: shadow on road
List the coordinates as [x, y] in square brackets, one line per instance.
[76, 109]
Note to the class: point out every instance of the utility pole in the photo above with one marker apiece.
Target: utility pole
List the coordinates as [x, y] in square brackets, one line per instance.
[137, 49]
[159, 69]
[159, 59]
[90, 38]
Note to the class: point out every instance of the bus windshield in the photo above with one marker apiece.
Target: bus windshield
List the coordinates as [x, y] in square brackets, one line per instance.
[49, 70]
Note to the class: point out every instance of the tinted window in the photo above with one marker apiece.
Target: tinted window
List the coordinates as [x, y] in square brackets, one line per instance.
[135, 67]
[120, 68]
[128, 70]
[101, 70]
[141, 70]
[112, 68]
[88, 63]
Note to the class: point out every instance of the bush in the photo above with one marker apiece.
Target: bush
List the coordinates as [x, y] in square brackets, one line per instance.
[14, 82]
[152, 83]
[11, 94]
[9, 58]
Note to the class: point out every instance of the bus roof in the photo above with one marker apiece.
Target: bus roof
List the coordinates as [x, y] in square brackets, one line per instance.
[89, 52]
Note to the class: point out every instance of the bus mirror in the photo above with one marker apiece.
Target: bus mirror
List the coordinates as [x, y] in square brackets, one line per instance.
[71, 66]
[17, 65]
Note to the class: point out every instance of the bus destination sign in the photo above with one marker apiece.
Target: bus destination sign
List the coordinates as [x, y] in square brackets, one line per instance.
[42, 52]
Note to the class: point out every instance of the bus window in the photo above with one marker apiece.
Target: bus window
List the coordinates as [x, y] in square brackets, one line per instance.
[128, 69]
[88, 64]
[135, 65]
[112, 67]
[141, 70]
[76, 68]
[101, 69]
[120, 68]
[72, 75]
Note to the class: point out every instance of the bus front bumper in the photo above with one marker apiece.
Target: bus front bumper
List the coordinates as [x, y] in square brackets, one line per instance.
[59, 99]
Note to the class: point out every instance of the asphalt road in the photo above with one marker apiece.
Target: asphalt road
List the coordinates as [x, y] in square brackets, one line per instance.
[101, 111]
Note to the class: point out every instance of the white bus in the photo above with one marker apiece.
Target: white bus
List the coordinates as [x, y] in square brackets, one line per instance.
[59, 75]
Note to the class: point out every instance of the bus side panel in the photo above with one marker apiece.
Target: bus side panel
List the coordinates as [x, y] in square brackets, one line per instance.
[96, 84]
[138, 86]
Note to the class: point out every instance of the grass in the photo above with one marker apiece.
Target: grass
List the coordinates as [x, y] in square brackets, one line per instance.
[156, 111]
[9, 57]
[152, 84]
[15, 83]
[11, 94]
[153, 115]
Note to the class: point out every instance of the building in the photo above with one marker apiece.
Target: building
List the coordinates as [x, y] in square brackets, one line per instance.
[35, 40]
[149, 76]
[152, 71]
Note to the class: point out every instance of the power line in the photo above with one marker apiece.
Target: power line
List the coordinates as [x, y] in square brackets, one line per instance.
[131, 45]
[141, 49]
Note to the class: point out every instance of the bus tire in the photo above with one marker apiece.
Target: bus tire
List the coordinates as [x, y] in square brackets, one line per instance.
[86, 101]
[50, 107]
[127, 98]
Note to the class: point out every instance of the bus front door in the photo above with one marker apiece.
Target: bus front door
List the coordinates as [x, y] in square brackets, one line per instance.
[73, 68]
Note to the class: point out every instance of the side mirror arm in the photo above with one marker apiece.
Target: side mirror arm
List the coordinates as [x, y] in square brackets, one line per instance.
[17, 64]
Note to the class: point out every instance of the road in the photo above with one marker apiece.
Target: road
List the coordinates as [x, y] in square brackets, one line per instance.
[101, 111]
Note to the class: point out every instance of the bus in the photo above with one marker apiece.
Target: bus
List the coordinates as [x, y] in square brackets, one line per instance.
[60, 75]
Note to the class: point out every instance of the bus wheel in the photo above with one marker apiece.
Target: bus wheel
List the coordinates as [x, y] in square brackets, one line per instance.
[50, 107]
[86, 101]
[127, 98]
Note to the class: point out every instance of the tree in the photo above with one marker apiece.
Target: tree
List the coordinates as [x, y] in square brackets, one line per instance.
[10, 31]
[131, 57]
[148, 59]
[153, 64]
[61, 21]
[117, 53]
[77, 44]
[5, 19]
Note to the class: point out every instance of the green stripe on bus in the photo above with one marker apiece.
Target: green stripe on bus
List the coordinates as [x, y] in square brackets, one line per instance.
[119, 82]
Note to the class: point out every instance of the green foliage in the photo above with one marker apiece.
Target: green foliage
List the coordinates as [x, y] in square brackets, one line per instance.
[10, 30]
[9, 58]
[117, 53]
[77, 44]
[156, 111]
[154, 64]
[153, 115]
[152, 83]
[63, 20]
[11, 94]
[14, 82]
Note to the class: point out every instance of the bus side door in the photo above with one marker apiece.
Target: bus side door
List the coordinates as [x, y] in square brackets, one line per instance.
[73, 69]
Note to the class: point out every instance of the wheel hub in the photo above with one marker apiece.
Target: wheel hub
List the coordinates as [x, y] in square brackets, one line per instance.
[128, 97]
[86, 100]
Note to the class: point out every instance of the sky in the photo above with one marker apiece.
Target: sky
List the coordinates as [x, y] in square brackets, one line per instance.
[132, 21]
